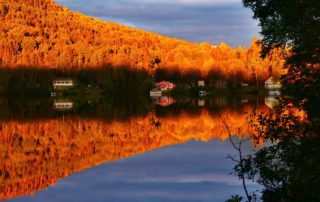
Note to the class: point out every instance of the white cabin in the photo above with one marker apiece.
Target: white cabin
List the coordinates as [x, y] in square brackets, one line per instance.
[63, 83]
[273, 84]
[201, 83]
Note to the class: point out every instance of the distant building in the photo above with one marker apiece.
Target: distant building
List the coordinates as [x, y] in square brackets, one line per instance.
[63, 83]
[244, 84]
[165, 86]
[201, 83]
[273, 84]
[203, 93]
[165, 101]
[155, 93]
[63, 105]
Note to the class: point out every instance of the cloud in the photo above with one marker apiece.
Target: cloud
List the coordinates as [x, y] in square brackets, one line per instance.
[181, 2]
[214, 21]
[190, 2]
[192, 172]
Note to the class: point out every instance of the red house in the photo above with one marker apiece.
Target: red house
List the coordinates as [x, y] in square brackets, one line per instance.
[165, 101]
[165, 86]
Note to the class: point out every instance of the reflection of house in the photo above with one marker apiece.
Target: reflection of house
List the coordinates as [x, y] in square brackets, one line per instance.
[63, 105]
[63, 83]
[274, 93]
[201, 103]
[165, 86]
[271, 101]
[273, 83]
[165, 101]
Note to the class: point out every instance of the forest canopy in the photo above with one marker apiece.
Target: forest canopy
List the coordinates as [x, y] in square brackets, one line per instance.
[43, 34]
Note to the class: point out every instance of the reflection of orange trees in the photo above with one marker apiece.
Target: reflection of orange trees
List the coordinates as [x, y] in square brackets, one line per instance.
[41, 33]
[35, 155]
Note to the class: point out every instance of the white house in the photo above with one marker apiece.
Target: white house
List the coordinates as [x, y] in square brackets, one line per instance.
[63, 83]
[201, 83]
[273, 84]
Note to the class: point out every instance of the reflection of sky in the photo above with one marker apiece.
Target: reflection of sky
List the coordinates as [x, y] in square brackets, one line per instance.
[215, 21]
[195, 171]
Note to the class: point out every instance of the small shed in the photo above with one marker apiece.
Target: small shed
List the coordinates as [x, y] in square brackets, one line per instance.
[165, 86]
[155, 93]
[273, 83]
[201, 83]
[63, 83]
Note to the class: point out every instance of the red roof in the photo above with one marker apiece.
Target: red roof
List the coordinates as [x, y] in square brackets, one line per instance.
[165, 85]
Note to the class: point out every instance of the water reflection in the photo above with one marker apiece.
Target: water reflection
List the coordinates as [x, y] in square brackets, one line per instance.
[165, 101]
[44, 145]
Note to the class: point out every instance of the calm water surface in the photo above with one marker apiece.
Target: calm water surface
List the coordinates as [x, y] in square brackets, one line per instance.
[97, 151]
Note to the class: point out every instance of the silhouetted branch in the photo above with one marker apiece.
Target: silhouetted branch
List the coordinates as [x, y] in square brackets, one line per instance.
[241, 159]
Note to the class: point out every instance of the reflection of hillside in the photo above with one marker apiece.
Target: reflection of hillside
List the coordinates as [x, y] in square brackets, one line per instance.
[35, 155]
[112, 109]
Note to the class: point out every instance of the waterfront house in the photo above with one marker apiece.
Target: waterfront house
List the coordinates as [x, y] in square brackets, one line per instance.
[63, 83]
[165, 86]
[201, 83]
[273, 83]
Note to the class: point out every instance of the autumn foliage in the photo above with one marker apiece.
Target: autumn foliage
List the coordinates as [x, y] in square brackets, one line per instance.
[43, 34]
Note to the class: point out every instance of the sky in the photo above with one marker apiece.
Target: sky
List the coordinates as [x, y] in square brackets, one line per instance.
[213, 21]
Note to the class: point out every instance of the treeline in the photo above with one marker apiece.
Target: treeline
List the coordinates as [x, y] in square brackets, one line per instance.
[43, 34]
[37, 82]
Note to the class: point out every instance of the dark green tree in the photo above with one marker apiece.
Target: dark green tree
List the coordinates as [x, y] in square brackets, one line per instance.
[289, 163]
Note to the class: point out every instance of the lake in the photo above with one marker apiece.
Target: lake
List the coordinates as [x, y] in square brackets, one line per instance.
[125, 150]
